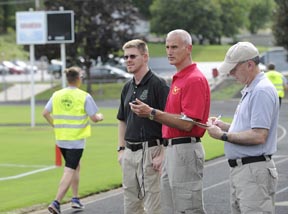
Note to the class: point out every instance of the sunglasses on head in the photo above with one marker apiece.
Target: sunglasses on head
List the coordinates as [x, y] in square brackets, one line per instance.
[132, 56]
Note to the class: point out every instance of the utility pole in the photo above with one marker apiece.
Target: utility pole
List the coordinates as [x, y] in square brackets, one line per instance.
[37, 4]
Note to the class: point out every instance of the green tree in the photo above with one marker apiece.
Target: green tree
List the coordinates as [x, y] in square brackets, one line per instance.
[210, 19]
[143, 7]
[7, 13]
[280, 27]
[233, 16]
[199, 17]
[260, 14]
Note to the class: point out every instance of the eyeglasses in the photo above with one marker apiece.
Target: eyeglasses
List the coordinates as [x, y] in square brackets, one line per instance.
[132, 56]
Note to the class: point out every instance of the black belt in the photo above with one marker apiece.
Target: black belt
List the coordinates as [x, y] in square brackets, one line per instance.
[246, 160]
[137, 146]
[175, 141]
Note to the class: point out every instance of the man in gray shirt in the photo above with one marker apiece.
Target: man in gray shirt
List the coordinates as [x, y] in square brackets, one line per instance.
[251, 138]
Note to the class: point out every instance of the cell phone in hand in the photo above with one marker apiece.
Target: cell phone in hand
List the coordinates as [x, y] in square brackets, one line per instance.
[134, 102]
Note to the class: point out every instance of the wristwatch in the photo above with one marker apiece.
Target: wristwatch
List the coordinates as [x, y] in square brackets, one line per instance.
[152, 114]
[224, 137]
[120, 148]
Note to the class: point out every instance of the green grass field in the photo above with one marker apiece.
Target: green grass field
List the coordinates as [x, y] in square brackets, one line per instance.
[25, 149]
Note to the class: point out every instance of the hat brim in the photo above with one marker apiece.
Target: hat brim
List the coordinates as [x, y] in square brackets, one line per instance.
[226, 67]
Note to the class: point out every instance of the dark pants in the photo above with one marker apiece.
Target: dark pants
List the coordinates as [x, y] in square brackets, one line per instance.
[72, 157]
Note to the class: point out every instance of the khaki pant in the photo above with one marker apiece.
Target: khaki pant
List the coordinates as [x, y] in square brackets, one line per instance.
[253, 188]
[181, 180]
[141, 183]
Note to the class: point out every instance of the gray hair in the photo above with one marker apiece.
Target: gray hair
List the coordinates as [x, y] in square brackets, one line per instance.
[185, 36]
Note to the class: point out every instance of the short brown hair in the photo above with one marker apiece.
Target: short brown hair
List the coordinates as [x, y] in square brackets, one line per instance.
[271, 66]
[136, 43]
[72, 74]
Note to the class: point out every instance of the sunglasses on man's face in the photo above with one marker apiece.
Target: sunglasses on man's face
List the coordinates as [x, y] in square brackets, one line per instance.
[132, 56]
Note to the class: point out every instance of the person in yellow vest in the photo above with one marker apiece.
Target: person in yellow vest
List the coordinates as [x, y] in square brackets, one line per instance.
[68, 112]
[278, 80]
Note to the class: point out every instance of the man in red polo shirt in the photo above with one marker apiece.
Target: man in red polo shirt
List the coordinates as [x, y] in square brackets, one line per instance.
[182, 170]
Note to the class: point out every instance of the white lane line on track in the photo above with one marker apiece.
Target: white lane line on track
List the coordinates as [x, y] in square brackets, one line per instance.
[215, 163]
[284, 133]
[215, 185]
[27, 173]
[101, 198]
[281, 190]
[282, 203]
[22, 165]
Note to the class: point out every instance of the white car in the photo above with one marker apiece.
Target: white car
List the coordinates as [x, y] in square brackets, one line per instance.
[25, 66]
[13, 69]
[3, 69]
[107, 73]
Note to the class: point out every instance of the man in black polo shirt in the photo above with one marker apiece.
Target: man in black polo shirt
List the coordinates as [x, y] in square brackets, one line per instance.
[140, 139]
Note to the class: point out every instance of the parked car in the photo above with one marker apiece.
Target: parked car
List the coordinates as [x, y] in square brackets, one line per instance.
[107, 74]
[25, 66]
[262, 67]
[117, 62]
[13, 69]
[55, 68]
[3, 69]
[277, 56]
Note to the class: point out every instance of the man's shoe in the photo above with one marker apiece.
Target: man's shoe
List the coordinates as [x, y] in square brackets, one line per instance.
[54, 207]
[76, 204]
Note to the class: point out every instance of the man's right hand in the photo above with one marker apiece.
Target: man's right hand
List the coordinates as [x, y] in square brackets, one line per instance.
[120, 156]
[100, 117]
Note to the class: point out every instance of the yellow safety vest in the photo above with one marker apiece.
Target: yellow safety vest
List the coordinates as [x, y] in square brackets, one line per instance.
[277, 79]
[69, 117]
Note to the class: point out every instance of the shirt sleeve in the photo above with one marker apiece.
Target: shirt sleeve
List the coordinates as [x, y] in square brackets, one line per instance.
[121, 109]
[90, 106]
[48, 105]
[284, 80]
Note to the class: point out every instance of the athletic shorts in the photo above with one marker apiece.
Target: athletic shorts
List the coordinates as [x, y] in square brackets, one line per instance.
[72, 157]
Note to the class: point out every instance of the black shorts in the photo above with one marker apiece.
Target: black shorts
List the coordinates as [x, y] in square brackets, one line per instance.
[72, 157]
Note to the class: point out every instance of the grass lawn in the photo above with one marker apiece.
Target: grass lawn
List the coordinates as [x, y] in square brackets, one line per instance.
[33, 149]
[25, 149]
[9, 49]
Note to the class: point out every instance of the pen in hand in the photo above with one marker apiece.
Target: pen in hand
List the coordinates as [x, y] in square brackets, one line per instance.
[217, 119]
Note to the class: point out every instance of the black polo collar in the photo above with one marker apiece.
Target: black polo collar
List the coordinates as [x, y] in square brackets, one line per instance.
[144, 80]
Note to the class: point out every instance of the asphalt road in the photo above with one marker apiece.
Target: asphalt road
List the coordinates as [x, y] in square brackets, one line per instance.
[216, 175]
